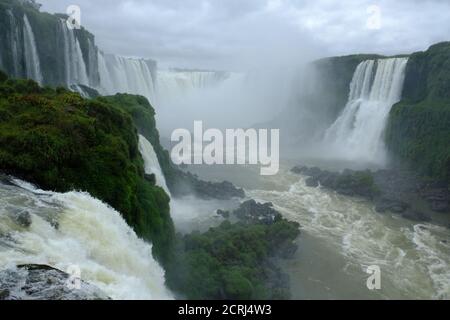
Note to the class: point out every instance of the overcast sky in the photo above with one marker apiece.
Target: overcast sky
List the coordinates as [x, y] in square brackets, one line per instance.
[227, 34]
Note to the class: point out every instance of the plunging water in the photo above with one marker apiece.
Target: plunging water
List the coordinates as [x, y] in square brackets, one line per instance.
[75, 66]
[151, 162]
[126, 75]
[75, 230]
[32, 64]
[358, 132]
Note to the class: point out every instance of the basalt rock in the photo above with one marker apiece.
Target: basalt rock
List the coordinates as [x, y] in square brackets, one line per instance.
[188, 183]
[41, 282]
[349, 182]
[252, 212]
[390, 190]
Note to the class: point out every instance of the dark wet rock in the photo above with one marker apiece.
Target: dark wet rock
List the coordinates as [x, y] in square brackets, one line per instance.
[396, 191]
[416, 216]
[223, 213]
[24, 219]
[41, 282]
[438, 198]
[384, 204]
[4, 293]
[348, 182]
[5, 179]
[252, 212]
[312, 182]
[188, 183]
[150, 178]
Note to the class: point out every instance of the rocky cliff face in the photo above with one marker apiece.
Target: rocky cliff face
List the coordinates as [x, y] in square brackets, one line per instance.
[418, 132]
[55, 52]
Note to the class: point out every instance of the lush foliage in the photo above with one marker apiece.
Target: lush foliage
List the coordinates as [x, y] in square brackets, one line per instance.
[62, 142]
[231, 261]
[143, 115]
[418, 132]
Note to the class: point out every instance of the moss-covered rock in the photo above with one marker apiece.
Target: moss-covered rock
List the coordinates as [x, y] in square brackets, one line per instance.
[143, 116]
[61, 142]
[418, 131]
[234, 260]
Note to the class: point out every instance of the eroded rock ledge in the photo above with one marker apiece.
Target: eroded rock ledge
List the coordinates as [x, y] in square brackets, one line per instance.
[42, 282]
[395, 191]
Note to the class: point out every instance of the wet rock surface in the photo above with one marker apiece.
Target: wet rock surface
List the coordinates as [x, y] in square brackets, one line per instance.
[391, 190]
[41, 282]
[188, 183]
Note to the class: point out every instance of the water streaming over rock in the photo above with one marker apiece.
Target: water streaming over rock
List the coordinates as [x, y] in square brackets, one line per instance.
[151, 162]
[75, 230]
[126, 75]
[75, 66]
[14, 43]
[358, 132]
[32, 64]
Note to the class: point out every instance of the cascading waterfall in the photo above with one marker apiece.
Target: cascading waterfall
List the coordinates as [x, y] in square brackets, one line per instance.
[14, 44]
[73, 229]
[173, 85]
[125, 75]
[75, 67]
[151, 162]
[32, 64]
[357, 134]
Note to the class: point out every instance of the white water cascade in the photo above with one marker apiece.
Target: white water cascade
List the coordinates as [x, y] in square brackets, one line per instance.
[173, 83]
[14, 44]
[151, 162]
[32, 64]
[357, 134]
[125, 75]
[75, 66]
[75, 230]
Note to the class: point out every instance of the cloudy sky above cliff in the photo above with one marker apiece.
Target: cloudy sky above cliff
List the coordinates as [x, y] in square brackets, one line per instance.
[235, 33]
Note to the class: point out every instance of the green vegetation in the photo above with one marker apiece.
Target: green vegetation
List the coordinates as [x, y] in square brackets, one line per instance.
[62, 142]
[418, 132]
[143, 115]
[232, 261]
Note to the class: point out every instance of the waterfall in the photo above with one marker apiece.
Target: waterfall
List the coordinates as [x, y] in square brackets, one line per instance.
[73, 229]
[14, 44]
[125, 75]
[175, 85]
[151, 162]
[357, 134]
[32, 64]
[75, 66]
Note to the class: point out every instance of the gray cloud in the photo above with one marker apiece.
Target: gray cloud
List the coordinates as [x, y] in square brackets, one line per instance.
[235, 33]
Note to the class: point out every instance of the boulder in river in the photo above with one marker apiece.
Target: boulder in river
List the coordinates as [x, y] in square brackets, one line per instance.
[41, 282]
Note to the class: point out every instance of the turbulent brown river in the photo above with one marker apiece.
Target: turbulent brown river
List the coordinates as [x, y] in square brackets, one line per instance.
[342, 236]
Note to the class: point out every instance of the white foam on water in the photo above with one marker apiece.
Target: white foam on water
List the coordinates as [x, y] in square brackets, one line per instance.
[89, 235]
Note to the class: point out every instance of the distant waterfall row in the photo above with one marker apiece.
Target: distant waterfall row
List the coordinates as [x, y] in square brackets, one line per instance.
[21, 46]
[357, 134]
[56, 55]
[126, 75]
